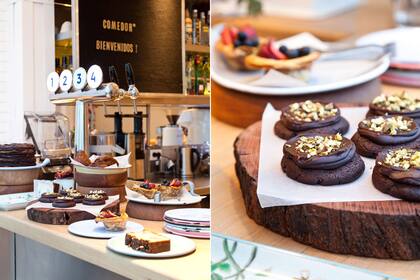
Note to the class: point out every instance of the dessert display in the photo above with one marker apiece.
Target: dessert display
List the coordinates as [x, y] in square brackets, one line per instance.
[397, 173]
[112, 221]
[400, 104]
[148, 241]
[16, 154]
[100, 193]
[48, 197]
[310, 117]
[243, 49]
[64, 202]
[93, 199]
[376, 134]
[321, 159]
[168, 189]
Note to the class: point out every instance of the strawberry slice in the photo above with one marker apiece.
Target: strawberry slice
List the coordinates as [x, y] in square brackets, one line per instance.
[233, 33]
[265, 51]
[226, 37]
[275, 51]
[249, 31]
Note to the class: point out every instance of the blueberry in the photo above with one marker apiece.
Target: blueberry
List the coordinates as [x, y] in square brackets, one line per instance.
[242, 36]
[283, 49]
[304, 51]
[237, 43]
[292, 53]
[252, 43]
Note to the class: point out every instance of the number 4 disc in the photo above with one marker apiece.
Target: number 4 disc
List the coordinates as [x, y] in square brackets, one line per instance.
[94, 76]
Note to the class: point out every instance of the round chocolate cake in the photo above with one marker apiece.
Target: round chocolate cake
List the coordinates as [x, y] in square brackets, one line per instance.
[397, 173]
[13, 155]
[395, 105]
[376, 134]
[310, 117]
[321, 159]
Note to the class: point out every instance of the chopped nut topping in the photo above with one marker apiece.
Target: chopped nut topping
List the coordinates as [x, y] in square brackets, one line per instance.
[94, 196]
[403, 158]
[397, 103]
[392, 125]
[318, 145]
[65, 198]
[309, 111]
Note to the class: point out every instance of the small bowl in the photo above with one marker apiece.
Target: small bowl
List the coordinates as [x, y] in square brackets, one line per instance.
[21, 175]
[100, 177]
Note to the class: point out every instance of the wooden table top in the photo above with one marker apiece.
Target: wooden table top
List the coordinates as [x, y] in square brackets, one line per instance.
[229, 216]
[193, 266]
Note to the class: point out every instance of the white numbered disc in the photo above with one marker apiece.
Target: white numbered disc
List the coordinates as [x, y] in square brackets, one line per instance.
[66, 80]
[53, 82]
[94, 76]
[79, 78]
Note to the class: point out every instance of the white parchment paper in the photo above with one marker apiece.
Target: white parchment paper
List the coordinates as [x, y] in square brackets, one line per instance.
[92, 209]
[276, 189]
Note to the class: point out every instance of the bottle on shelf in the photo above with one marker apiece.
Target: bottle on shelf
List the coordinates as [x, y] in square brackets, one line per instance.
[206, 76]
[204, 30]
[195, 23]
[64, 63]
[196, 74]
[188, 27]
[189, 72]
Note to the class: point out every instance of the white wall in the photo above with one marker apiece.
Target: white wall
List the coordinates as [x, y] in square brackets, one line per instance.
[31, 58]
[4, 61]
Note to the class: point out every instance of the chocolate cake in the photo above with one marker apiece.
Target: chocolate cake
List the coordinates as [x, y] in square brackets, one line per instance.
[310, 117]
[13, 155]
[397, 173]
[321, 159]
[148, 241]
[376, 134]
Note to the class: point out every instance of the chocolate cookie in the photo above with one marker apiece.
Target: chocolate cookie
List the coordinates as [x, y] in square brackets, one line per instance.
[77, 196]
[64, 202]
[99, 192]
[321, 160]
[397, 173]
[48, 197]
[93, 199]
[310, 117]
[104, 161]
[376, 134]
[395, 105]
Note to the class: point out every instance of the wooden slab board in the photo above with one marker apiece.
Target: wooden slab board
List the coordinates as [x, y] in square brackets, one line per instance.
[380, 229]
[63, 216]
[153, 212]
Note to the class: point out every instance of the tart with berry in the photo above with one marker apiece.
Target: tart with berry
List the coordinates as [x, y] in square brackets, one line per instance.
[243, 49]
[171, 189]
[112, 221]
[145, 188]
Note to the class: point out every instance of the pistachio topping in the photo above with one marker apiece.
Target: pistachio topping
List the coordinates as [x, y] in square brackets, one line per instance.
[65, 198]
[397, 103]
[402, 158]
[94, 196]
[309, 111]
[319, 145]
[391, 126]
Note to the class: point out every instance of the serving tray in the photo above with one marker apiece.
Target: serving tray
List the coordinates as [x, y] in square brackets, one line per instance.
[381, 229]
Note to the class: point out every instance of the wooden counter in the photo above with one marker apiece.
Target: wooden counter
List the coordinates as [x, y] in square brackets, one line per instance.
[193, 266]
[229, 216]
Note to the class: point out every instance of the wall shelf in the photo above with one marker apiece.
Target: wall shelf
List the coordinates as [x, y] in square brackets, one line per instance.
[197, 48]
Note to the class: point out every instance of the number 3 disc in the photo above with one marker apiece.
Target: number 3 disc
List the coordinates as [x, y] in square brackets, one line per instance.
[79, 78]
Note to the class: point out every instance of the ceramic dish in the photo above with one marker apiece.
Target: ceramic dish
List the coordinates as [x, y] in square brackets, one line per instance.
[89, 228]
[189, 214]
[180, 246]
[233, 257]
[326, 74]
[16, 201]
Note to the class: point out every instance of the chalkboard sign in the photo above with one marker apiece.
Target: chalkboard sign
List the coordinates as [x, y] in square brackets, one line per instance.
[146, 33]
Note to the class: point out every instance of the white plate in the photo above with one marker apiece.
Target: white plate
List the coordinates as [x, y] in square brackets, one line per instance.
[16, 201]
[406, 48]
[180, 246]
[189, 214]
[185, 198]
[324, 82]
[89, 228]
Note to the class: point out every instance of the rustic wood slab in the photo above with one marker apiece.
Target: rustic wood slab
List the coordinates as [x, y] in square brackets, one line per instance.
[57, 216]
[243, 109]
[380, 229]
[153, 212]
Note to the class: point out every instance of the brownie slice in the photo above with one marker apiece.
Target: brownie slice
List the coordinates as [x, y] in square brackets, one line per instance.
[148, 241]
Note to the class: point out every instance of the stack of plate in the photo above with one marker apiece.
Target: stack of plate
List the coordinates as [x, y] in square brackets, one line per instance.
[405, 62]
[189, 222]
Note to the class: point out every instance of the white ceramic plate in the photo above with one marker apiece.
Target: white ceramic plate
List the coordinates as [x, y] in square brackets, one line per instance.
[89, 228]
[189, 214]
[324, 76]
[232, 257]
[185, 198]
[180, 246]
[16, 201]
